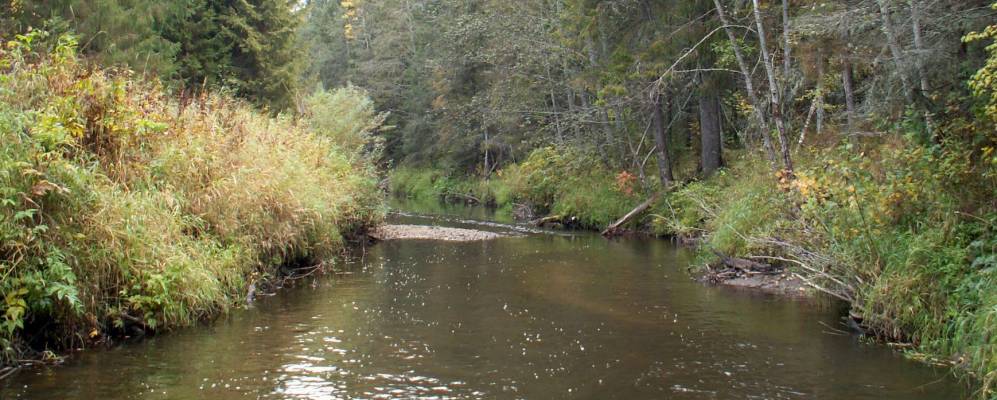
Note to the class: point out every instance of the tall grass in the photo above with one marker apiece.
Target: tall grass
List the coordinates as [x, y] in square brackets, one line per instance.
[124, 207]
[904, 232]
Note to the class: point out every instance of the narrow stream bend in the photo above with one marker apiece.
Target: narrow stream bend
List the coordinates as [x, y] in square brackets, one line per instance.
[536, 316]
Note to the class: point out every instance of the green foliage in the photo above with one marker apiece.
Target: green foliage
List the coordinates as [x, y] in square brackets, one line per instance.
[567, 183]
[984, 81]
[426, 184]
[550, 181]
[347, 116]
[250, 47]
[120, 32]
[122, 208]
[905, 231]
[913, 232]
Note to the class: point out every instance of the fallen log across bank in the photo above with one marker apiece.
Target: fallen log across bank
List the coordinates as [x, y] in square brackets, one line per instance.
[614, 228]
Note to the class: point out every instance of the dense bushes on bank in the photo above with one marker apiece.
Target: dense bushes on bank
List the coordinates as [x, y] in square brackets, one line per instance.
[550, 182]
[125, 208]
[905, 232]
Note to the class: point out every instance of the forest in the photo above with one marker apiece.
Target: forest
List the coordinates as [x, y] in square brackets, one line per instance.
[159, 157]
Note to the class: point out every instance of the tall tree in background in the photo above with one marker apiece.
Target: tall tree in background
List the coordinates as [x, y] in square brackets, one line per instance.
[265, 61]
[114, 32]
[711, 137]
[473, 86]
[249, 46]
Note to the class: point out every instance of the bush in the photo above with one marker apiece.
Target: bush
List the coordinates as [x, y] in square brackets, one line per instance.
[550, 180]
[348, 117]
[124, 208]
[912, 229]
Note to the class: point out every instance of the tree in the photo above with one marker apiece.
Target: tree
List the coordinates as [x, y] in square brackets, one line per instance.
[709, 126]
[114, 32]
[250, 46]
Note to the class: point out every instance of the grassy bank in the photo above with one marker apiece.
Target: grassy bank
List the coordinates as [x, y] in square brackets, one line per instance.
[549, 182]
[124, 207]
[904, 232]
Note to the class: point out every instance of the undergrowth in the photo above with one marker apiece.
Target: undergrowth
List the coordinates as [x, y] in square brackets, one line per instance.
[550, 181]
[125, 208]
[903, 231]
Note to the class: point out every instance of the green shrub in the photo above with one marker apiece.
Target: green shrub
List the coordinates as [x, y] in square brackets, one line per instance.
[347, 116]
[121, 207]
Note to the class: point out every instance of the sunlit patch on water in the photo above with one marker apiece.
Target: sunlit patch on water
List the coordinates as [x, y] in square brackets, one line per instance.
[319, 384]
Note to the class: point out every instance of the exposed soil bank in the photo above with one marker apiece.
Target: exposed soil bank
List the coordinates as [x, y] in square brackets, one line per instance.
[396, 232]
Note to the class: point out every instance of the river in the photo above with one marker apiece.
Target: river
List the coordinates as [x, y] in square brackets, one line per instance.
[537, 316]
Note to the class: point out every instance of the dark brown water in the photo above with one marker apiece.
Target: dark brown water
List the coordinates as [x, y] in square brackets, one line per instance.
[539, 316]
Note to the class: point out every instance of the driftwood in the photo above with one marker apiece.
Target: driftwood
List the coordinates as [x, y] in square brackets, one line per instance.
[745, 265]
[465, 197]
[553, 219]
[8, 371]
[615, 227]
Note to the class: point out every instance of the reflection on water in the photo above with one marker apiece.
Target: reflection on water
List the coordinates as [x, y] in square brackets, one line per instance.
[537, 316]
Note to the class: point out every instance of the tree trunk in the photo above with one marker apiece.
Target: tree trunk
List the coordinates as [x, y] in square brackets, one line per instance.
[488, 166]
[586, 106]
[661, 144]
[780, 123]
[915, 14]
[748, 84]
[895, 50]
[572, 110]
[553, 108]
[709, 128]
[819, 98]
[621, 130]
[848, 84]
[614, 228]
[817, 103]
[607, 131]
[787, 63]
[848, 77]
[567, 73]
[787, 59]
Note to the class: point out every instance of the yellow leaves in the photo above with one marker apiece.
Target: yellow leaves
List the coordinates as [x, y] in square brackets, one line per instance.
[348, 32]
[350, 15]
[807, 186]
[743, 106]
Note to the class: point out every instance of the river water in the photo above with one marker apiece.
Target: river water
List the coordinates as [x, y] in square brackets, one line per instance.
[538, 316]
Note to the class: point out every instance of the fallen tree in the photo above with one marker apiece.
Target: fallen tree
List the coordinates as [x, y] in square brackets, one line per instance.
[614, 228]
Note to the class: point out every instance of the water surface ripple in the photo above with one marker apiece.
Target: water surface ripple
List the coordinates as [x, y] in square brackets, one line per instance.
[537, 316]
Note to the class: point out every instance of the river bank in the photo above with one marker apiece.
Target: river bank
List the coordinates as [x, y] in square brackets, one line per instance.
[579, 317]
[903, 234]
[127, 210]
